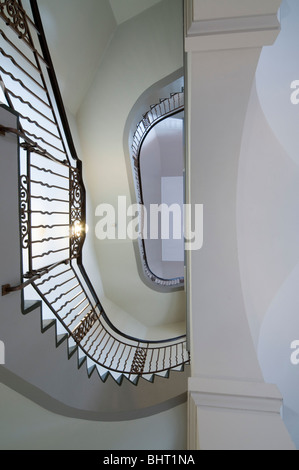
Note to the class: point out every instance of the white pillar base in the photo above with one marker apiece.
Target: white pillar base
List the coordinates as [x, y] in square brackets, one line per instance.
[230, 415]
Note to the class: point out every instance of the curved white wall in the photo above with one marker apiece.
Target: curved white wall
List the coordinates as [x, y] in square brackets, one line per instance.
[268, 207]
[26, 426]
[268, 204]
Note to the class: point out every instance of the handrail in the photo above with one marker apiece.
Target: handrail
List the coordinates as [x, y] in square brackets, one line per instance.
[166, 108]
[33, 276]
[113, 327]
[53, 210]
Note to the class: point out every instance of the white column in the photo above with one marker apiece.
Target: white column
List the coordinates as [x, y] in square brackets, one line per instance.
[230, 406]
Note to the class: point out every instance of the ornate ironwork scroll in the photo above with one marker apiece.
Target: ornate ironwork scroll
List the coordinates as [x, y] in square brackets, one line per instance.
[139, 361]
[85, 326]
[14, 16]
[77, 224]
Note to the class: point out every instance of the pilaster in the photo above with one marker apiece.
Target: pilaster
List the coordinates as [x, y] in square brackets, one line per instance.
[230, 406]
[228, 415]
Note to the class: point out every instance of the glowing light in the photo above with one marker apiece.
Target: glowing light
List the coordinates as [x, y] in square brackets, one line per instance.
[77, 229]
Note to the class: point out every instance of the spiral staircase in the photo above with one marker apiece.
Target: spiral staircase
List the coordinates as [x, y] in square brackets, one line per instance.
[52, 219]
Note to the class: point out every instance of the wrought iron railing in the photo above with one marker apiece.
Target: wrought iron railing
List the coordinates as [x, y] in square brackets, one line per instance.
[52, 211]
[166, 108]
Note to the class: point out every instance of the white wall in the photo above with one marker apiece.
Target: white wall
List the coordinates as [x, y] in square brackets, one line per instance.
[26, 426]
[268, 203]
[76, 29]
[268, 207]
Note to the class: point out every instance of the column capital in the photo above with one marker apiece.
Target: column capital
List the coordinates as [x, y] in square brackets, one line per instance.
[230, 24]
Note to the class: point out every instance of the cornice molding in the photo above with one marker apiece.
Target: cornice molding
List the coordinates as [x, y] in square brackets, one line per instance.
[234, 32]
[235, 395]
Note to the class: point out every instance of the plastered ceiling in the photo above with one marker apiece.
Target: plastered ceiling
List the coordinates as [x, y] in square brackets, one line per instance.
[123, 10]
[78, 34]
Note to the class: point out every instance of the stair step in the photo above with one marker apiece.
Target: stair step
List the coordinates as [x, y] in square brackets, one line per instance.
[164, 374]
[81, 358]
[71, 350]
[134, 379]
[47, 324]
[179, 368]
[149, 378]
[103, 373]
[31, 305]
[117, 376]
[60, 338]
[90, 370]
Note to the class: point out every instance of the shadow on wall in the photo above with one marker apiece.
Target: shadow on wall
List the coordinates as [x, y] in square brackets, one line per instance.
[2, 353]
[279, 330]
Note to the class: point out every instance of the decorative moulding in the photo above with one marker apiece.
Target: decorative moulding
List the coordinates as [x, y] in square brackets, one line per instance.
[226, 414]
[215, 32]
[246, 396]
